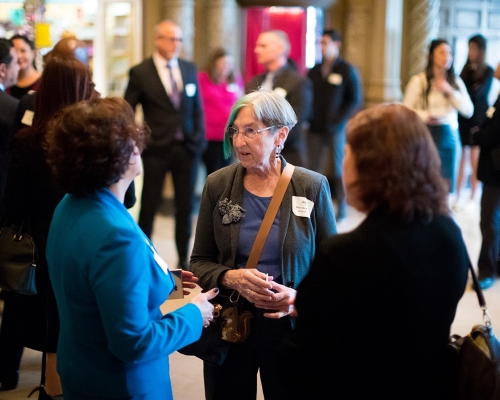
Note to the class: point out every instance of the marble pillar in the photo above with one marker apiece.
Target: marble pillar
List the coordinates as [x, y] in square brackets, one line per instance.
[224, 23]
[222, 28]
[384, 83]
[356, 47]
[182, 12]
[424, 28]
[373, 44]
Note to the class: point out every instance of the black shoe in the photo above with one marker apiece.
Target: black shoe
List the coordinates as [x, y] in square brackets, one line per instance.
[486, 283]
[42, 395]
[10, 382]
[183, 264]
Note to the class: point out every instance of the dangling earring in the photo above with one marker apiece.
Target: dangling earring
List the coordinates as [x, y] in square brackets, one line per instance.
[278, 150]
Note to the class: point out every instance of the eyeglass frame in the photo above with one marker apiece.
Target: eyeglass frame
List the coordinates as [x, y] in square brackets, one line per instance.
[170, 39]
[254, 134]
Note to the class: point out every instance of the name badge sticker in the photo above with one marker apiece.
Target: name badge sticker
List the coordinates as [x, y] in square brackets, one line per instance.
[28, 118]
[190, 89]
[490, 112]
[302, 207]
[282, 92]
[335, 79]
[232, 87]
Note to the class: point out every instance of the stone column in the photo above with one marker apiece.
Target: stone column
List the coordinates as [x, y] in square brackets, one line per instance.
[424, 28]
[223, 25]
[182, 12]
[356, 44]
[384, 82]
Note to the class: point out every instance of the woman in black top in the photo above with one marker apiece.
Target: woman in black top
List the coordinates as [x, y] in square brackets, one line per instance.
[478, 77]
[378, 302]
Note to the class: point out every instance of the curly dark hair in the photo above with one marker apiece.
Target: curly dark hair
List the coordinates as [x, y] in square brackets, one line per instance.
[89, 144]
[397, 163]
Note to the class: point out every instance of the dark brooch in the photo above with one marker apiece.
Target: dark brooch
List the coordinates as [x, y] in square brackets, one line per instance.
[230, 212]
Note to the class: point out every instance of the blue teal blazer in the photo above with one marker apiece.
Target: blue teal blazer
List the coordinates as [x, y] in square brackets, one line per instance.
[114, 341]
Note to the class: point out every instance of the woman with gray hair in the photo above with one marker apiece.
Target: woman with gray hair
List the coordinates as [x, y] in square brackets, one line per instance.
[233, 204]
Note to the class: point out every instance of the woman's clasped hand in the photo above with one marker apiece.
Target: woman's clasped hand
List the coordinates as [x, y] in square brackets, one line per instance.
[259, 288]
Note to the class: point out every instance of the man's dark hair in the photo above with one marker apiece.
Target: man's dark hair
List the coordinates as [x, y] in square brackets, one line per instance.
[334, 34]
[5, 56]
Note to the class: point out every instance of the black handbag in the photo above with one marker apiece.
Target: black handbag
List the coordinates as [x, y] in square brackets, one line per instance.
[477, 356]
[232, 324]
[18, 257]
[210, 347]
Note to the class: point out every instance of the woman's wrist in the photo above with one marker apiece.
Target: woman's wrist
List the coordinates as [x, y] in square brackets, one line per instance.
[222, 282]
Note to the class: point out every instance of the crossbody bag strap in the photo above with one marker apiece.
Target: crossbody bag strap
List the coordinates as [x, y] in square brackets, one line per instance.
[271, 212]
[480, 295]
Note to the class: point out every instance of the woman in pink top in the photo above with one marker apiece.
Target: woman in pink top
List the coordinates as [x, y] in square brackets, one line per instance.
[219, 88]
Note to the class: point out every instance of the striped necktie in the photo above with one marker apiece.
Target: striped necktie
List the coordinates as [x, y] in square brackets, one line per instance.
[175, 96]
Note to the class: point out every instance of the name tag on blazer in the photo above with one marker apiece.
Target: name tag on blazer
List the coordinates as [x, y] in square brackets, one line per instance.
[282, 92]
[334, 79]
[490, 112]
[232, 87]
[190, 89]
[28, 118]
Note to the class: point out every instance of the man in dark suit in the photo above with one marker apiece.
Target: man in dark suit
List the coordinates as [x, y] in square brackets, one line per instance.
[9, 69]
[338, 95]
[167, 88]
[272, 49]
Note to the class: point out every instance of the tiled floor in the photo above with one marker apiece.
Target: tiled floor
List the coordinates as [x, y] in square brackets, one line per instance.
[186, 372]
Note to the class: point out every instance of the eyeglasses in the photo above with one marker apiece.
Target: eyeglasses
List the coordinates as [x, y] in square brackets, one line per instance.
[170, 39]
[248, 132]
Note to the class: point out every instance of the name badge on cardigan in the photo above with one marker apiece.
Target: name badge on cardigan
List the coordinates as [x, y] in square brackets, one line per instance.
[302, 207]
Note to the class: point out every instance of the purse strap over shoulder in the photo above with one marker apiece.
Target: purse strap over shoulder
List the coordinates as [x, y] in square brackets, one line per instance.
[25, 226]
[480, 296]
[271, 212]
[19, 229]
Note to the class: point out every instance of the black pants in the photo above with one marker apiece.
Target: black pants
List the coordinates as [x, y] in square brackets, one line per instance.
[237, 377]
[182, 164]
[490, 229]
[326, 156]
[11, 337]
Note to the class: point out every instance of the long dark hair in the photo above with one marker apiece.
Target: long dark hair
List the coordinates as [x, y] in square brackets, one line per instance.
[474, 71]
[64, 81]
[429, 70]
[212, 60]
